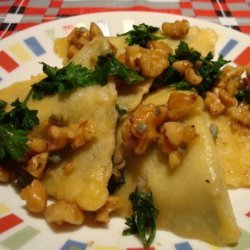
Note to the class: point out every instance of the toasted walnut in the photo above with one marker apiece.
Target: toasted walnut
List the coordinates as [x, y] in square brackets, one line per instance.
[180, 105]
[35, 196]
[112, 203]
[37, 145]
[192, 77]
[225, 98]
[5, 175]
[37, 164]
[58, 137]
[150, 63]
[232, 86]
[64, 212]
[133, 53]
[182, 65]
[84, 132]
[178, 29]
[240, 114]
[230, 72]
[214, 104]
[141, 128]
[175, 135]
[160, 46]
[75, 134]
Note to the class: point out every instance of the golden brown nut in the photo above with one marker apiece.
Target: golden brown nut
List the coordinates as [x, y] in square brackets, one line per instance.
[35, 196]
[177, 29]
[152, 63]
[37, 164]
[64, 212]
[141, 128]
[37, 145]
[103, 214]
[214, 104]
[180, 105]
[175, 135]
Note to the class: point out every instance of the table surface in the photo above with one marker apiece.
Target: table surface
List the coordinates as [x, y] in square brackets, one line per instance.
[16, 15]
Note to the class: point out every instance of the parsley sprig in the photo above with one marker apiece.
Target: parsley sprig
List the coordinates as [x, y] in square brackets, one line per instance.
[14, 126]
[61, 80]
[143, 220]
[141, 34]
[208, 69]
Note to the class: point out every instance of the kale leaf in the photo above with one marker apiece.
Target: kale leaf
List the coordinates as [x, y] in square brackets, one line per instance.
[73, 75]
[143, 220]
[141, 34]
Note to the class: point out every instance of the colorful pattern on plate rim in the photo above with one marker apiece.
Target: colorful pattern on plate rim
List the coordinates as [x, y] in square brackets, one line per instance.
[26, 50]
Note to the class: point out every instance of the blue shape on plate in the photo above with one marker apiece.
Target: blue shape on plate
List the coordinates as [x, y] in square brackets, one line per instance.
[183, 246]
[76, 245]
[1, 78]
[228, 47]
[35, 46]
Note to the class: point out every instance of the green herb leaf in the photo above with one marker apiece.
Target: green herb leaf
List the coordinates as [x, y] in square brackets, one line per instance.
[141, 34]
[20, 116]
[73, 75]
[12, 143]
[2, 104]
[206, 67]
[143, 220]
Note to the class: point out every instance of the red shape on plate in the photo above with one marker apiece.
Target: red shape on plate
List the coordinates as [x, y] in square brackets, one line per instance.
[248, 214]
[7, 62]
[8, 222]
[244, 57]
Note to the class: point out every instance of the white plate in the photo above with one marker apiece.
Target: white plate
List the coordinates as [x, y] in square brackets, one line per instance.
[19, 57]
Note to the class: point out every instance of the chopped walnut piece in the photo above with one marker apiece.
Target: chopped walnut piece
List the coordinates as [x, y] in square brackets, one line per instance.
[160, 46]
[141, 128]
[103, 214]
[84, 132]
[76, 135]
[214, 104]
[64, 212]
[151, 63]
[240, 114]
[37, 145]
[35, 196]
[177, 29]
[180, 105]
[37, 164]
[175, 135]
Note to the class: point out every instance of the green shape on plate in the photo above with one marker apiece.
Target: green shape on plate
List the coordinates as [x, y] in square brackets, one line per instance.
[18, 239]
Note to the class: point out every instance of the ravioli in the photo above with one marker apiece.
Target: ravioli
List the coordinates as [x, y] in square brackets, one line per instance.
[86, 184]
[192, 199]
[233, 146]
